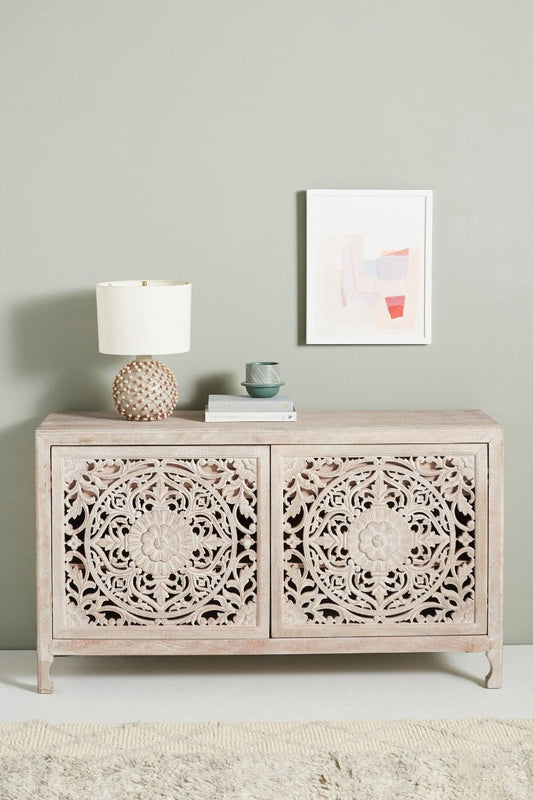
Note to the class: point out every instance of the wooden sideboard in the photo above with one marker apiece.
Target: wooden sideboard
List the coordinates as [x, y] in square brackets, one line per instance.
[343, 532]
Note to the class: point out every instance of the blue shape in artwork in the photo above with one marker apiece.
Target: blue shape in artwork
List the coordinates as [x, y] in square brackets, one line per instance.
[392, 268]
[370, 267]
[386, 268]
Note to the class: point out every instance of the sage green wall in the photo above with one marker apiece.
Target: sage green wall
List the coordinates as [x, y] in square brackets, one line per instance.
[174, 138]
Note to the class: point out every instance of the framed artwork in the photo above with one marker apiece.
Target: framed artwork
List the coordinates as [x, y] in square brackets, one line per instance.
[368, 266]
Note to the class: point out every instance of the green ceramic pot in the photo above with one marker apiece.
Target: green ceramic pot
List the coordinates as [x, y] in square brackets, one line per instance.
[262, 372]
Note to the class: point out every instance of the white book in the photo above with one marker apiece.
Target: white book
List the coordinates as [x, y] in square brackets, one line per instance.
[251, 416]
[242, 403]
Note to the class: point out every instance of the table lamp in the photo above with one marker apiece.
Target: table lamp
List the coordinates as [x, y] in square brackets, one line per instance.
[141, 318]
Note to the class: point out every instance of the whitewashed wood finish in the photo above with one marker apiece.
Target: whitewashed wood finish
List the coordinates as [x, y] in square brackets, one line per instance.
[495, 561]
[43, 566]
[373, 540]
[168, 537]
[311, 427]
[394, 433]
[245, 647]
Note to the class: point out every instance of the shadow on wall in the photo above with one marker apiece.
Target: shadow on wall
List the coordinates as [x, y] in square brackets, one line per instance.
[17, 563]
[54, 344]
[54, 347]
[56, 339]
[301, 269]
[219, 383]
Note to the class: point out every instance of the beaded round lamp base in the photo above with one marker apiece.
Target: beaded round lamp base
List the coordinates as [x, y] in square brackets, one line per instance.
[145, 391]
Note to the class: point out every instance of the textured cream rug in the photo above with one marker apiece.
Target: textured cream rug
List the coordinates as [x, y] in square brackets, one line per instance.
[429, 760]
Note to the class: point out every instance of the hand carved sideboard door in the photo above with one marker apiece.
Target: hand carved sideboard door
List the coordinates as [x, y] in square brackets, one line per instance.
[379, 541]
[166, 541]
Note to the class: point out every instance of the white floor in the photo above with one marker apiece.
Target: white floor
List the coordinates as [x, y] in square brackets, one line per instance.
[266, 688]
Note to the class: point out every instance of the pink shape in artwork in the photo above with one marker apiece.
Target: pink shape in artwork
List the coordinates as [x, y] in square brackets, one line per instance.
[395, 305]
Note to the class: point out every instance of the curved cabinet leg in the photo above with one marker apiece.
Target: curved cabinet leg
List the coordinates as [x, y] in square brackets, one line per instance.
[494, 676]
[44, 663]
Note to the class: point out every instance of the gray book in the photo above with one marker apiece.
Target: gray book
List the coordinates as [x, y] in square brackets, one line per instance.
[243, 404]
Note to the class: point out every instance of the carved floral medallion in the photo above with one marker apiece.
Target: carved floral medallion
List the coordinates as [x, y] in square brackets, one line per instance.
[160, 541]
[379, 539]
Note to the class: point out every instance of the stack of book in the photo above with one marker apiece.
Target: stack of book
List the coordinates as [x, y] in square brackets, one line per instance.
[240, 408]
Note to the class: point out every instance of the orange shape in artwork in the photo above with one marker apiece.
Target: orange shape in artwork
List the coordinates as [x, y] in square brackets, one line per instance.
[404, 252]
[395, 305]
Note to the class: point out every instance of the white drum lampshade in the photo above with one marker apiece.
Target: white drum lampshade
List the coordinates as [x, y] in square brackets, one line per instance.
[143, 318]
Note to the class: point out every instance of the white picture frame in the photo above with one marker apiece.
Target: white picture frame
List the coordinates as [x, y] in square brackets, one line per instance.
[368, 266]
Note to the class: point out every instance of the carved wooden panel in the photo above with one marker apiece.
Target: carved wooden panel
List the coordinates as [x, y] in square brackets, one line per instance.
[158, 538]
[380, 543]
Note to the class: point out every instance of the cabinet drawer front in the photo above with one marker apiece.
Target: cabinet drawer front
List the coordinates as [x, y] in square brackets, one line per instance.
[160, 542]
[381, 540]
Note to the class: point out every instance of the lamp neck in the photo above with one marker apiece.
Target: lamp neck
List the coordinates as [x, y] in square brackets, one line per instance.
[143, 358]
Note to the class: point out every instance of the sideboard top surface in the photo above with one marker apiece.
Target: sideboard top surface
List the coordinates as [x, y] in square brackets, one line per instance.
[189, 427]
